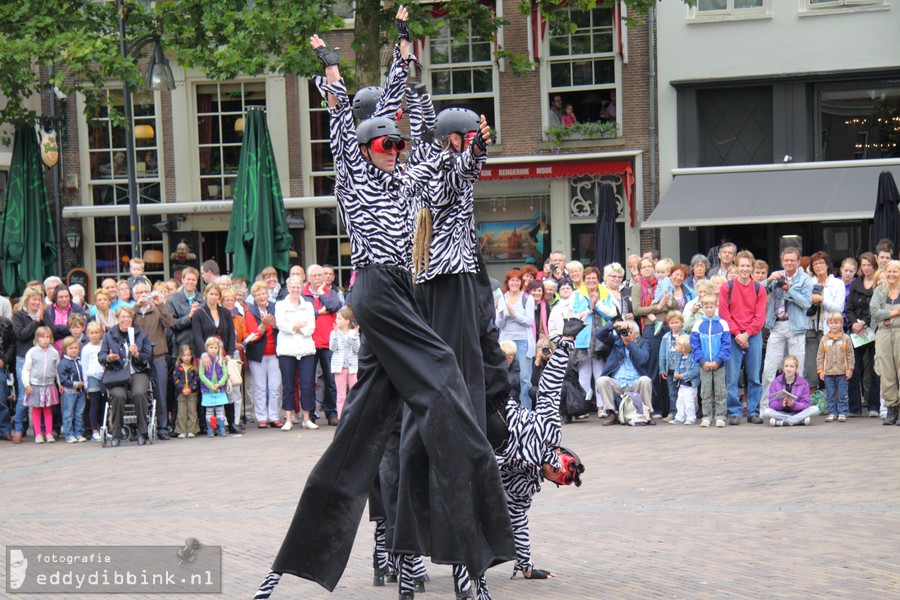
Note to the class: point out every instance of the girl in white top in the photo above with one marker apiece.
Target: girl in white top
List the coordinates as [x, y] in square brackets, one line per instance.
[93, 373]
[344, 343]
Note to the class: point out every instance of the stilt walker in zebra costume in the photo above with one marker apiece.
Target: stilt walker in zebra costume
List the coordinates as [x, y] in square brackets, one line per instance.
[402, 361]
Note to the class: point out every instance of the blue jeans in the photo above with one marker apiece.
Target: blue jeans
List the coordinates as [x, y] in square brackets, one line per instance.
[73, 410]
[525, 367]
[752, 356]
[5, 422]
[672, 384]
[21, 419]
[836, 395]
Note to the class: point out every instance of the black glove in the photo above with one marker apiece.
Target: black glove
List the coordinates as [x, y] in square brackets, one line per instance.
[403, 30]
[328, 57]
[572, 327]
[480, 142]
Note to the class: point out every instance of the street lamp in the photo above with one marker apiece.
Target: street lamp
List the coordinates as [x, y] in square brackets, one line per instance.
[159, 77]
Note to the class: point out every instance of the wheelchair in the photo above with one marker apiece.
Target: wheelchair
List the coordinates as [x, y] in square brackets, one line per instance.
[129, 417]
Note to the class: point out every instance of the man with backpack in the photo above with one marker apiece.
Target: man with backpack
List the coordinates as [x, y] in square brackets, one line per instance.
[627, 368]
[742, 304]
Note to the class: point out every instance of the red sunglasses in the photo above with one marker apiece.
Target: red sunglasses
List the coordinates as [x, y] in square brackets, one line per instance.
[385, 144]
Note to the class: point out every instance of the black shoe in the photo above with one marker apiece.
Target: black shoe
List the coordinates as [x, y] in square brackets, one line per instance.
[233, 429]
[407, 595]
[420, 586]
[163, 434]
[115, 442]
[141, 439]
[733, 420]
[755, 419]
[891, 417]
[333, 421]
[391, 578]
[611, 419]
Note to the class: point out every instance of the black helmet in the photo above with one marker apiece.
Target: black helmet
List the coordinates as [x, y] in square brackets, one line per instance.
[375, 127]
[455, 120]
[365, 100]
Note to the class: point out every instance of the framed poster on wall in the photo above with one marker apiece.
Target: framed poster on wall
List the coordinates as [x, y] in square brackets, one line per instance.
[506, 241]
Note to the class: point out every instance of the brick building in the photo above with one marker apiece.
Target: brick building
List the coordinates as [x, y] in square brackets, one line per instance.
[187, 158]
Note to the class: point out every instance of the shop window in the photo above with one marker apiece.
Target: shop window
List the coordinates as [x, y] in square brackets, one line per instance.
[462, 73]
[862, 122]
[220, 121]
[109, 184]
[581, 72]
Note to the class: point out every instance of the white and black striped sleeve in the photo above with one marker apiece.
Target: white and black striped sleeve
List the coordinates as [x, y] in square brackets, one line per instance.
[394, 86]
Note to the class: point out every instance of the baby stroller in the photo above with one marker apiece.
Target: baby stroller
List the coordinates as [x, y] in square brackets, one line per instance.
[129, 417]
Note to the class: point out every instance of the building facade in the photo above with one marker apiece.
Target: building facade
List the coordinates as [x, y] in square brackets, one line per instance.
[188, 148]
[776, 118]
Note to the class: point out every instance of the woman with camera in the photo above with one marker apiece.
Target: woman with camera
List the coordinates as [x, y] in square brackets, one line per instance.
[125, 354]
[827, 297]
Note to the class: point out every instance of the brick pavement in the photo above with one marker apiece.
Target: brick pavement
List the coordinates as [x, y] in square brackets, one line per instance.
[665, 512]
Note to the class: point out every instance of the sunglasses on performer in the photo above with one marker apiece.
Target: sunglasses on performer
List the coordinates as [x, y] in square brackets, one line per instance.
[385, 144]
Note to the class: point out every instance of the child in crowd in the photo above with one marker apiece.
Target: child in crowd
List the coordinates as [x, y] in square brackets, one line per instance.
[664, 287]
[687, 379]
[568, 117]
[668, 357]
[509, 349]
[789, 397]
[71, 379]
[136, 267]
[344, 344]
[93, 373]
[212, 386]
[711, 344]
[77, 324]
[834, 365]
[187, 383]
[692, 313]
[40, 373]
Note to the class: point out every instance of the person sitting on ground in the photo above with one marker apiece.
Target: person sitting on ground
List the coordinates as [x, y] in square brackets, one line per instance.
[627, 368]
[789, 397]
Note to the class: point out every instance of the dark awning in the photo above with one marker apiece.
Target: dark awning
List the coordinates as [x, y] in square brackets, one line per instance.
[776, 194]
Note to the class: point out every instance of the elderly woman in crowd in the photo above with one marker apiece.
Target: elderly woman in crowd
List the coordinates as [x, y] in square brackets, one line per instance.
[827, 297]
[615, 305]
[270, 276]
[117, 353]
[575, 271]
[261, 356]
[101, 311]
[699, 268]
[683, 293]
[865, 382]
[885, 311]
[592, 365]
[515, 317]
[296, 321]
[123, 295]
[550, 295]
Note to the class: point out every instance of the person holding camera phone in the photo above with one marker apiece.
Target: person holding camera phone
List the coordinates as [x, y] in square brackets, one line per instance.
[152, 317]
[791, 291]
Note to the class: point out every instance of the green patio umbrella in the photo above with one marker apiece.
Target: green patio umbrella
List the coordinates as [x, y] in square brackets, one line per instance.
[27, 240]
[258, 235]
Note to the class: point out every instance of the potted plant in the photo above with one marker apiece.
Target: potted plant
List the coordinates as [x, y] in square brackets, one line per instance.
[584, 131]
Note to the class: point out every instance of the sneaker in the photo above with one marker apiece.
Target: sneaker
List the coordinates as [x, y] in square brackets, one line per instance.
[873, 414]
[704, 423]
[50, 439]
[669, 418]
[807, 420]
[755, 419]
[309, 425]
[841, 418]
[80, 439]
[181, 436]
[734, 420]
[720, 423]
[656, 416]
[71, 440]
[95, 437]
[288, 425]
[691, 422]
[190, 435]
[38, 439]
[601, 414]
[776, 422]
[676, 421]
[831, 418]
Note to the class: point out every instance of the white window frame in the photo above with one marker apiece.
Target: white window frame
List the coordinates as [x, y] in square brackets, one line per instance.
[695, 15]
[428, 70]
[832, 7]
[547, 89]
[89, 225]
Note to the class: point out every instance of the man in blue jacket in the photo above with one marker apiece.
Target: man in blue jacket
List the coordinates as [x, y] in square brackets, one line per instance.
[627, 368]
